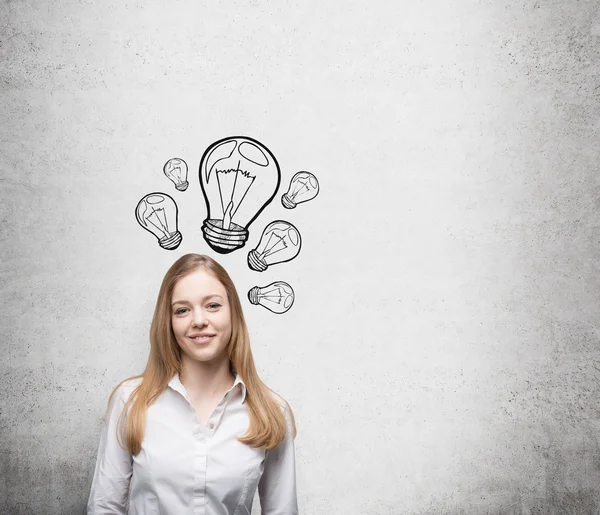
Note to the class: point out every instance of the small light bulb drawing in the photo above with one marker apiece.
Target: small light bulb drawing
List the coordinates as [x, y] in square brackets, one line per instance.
[277, 297]
[239, 177]
[279, 242]
[304, 186]
[157, 213]
[176, 170]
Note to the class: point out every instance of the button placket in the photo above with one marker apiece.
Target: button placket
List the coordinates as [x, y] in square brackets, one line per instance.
[219, 410]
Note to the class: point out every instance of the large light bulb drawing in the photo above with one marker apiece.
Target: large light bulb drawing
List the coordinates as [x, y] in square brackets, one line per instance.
[277, 297]
[157, 213]
[304, 186]
[279, 242]
[239, 177]
[177, 170]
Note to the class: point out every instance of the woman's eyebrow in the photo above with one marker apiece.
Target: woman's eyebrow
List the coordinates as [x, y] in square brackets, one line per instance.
[206, 297]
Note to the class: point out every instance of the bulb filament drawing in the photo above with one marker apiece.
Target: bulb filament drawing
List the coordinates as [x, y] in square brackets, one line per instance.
[176, 170]
[157, 213]
[279, 242]
[233, 186]
[304, 186]
[277, 297]
[239, 177]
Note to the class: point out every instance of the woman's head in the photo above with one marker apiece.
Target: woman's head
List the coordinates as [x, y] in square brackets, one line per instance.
[197, 297]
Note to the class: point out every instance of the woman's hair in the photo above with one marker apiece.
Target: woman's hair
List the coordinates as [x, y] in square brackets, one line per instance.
[267, 422]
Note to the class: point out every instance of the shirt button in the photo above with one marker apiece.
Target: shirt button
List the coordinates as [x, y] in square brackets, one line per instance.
[211, 425]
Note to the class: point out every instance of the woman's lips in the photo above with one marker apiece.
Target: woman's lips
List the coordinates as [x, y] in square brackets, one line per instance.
[202, 339]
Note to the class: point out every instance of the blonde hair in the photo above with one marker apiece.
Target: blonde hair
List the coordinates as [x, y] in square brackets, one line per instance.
[267, 426]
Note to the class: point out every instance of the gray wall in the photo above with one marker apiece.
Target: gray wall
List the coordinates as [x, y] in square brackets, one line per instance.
[442, 354]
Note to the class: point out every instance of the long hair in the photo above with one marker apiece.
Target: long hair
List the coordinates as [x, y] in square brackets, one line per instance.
[267, 426]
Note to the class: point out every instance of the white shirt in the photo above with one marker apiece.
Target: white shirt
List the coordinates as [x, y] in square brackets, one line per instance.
[185, 468]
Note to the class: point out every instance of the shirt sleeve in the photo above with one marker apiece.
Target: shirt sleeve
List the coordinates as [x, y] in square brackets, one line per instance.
[109, 492]
[277, 486]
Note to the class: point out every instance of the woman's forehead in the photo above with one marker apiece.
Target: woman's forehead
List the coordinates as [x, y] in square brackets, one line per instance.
[199, 283]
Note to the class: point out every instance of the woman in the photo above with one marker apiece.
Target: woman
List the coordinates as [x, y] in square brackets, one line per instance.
[200, 432]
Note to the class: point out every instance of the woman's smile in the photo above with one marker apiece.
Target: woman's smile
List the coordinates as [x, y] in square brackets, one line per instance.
[202, 338]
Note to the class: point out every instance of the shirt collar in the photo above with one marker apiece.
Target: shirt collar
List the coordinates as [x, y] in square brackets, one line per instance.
[176, 384]
[238, 380]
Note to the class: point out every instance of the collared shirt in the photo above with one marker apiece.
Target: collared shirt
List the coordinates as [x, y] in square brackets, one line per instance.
[186, 468]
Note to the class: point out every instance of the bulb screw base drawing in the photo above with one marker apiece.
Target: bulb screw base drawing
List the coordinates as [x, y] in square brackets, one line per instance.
[255, 262]
[182, 186]
[253, 295]
[224, 240]
[287, 201]
[172, 242]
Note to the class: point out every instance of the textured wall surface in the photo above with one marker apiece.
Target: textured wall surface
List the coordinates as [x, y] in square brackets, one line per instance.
[442, 356]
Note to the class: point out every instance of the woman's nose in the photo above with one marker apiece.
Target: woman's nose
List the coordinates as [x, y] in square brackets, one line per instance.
[199, 318]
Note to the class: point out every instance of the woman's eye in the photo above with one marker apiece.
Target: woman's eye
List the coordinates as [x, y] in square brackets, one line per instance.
[214, 305]
[180, 311]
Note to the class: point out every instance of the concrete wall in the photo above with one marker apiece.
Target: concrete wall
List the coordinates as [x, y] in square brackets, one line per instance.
[442, 354]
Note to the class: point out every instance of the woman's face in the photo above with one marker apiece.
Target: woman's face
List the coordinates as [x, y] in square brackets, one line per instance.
[201, 317]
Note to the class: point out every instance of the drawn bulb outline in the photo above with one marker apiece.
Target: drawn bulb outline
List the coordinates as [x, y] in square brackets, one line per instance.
[239, 177]
[176, 170]
[157, 213]
[303, 187]
[277, 297]
[280, 242]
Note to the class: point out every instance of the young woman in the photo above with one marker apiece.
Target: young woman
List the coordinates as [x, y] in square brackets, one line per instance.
[198, 432]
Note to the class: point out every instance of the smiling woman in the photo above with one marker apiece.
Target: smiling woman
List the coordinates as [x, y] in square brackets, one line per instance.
[198, 432]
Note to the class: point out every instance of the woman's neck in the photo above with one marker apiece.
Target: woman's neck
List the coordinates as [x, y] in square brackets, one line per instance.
[205, 379]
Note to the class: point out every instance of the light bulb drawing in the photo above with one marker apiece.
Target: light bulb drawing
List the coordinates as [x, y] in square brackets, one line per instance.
[279, 242]
[157, 213]
[239, 177]
[304, 186]
[277, 297]
[176, 170]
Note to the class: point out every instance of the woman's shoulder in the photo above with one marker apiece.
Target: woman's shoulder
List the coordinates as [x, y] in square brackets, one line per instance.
[283, 404]
[288, 414]
[120, 395]
[126, 387]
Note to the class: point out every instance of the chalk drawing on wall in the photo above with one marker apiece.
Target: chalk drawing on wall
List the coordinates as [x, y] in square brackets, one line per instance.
[157, 213]
[277, 297]
[280, 242]
[176, 170]
[303, 187]
[239, 177]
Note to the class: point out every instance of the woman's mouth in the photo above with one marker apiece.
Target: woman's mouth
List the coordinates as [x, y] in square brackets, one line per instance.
[204, 338]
